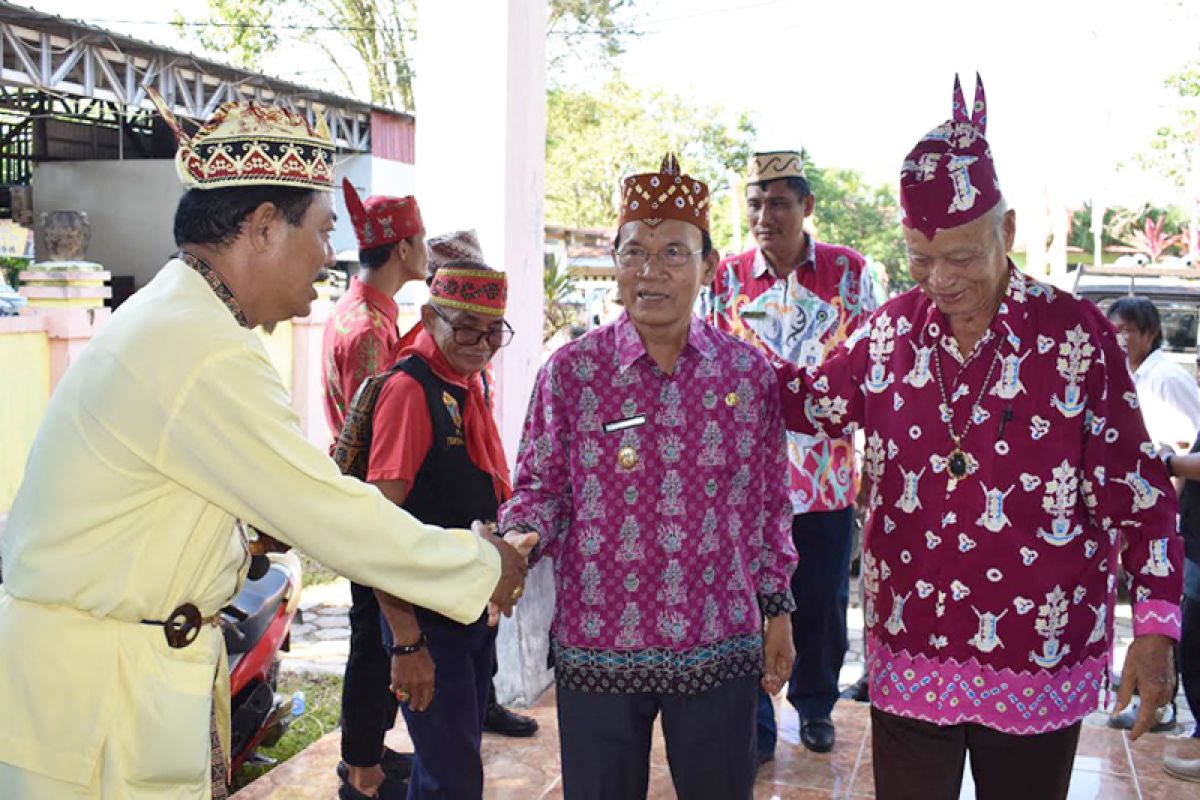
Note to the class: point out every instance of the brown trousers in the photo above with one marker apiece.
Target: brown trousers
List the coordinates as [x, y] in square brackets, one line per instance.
[915, 760]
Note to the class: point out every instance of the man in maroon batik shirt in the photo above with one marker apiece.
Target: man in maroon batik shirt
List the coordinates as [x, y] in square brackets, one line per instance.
[1007, 460]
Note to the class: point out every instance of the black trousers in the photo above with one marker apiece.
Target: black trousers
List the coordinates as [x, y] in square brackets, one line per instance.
[1189, 656]
[368, 708]
[915, 760]
[821, 586]
[605, 741]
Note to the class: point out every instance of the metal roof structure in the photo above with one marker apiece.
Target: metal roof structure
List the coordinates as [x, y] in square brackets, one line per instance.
[71, 60]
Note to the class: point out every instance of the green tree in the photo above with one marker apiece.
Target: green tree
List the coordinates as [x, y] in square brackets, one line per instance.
[557, 287]
[851, 212]
[236, 28]
[381, 33]
[1176, 147]
[595, 138]
[589, 30]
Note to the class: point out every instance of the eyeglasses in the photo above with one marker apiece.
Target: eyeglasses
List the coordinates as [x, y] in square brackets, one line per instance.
[673, 256]
[497, 336]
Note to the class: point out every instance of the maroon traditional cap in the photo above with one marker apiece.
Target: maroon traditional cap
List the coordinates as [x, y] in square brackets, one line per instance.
[949, 178]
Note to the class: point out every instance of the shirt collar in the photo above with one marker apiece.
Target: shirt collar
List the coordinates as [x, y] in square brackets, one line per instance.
[424, 346]
[1150, 362]
[217, 284]
[375, 299]
[630, 347]
[1008, 323]
[762, 267]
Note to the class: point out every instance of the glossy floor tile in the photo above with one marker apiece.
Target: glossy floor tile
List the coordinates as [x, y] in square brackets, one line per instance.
[1107, 765]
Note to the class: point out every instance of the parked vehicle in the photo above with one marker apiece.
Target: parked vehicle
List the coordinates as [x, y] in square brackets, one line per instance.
[1177, 301]
[257, 625]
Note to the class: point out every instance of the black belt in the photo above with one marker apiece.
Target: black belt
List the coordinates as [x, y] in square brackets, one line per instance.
[183, 626]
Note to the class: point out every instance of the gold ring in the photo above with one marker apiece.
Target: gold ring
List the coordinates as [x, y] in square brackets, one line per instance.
[517, 592]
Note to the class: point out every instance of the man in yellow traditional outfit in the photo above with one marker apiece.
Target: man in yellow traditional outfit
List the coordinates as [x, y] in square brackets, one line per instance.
[172, 424]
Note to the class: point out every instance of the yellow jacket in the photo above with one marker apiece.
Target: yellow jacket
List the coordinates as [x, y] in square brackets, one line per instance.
[172, 424]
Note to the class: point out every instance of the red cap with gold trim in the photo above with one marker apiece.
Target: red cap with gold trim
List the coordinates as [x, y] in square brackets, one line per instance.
[381, 220]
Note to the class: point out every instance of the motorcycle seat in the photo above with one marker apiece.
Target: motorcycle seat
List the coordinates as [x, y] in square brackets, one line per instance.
[256, 605]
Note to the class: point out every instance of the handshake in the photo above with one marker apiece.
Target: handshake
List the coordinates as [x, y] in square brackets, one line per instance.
[514, 551]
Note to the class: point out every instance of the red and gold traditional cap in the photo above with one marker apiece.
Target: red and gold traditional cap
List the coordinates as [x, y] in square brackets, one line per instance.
[470, 286]
[381, 220]
[667, 194]
[949, 178]
[252, 144]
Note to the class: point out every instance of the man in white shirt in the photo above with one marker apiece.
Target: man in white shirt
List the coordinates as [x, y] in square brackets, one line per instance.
[1168, 395]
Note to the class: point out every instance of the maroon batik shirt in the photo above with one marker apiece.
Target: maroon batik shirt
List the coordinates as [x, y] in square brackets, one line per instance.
[989, 599]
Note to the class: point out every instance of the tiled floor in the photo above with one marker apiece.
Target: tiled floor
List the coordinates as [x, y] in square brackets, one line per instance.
[1107, 766]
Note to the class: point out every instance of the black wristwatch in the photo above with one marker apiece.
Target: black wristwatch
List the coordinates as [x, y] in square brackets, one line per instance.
[1167, 463]
[407, 649]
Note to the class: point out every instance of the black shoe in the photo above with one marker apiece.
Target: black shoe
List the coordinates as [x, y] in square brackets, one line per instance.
[388, 790]
[817, 734]
[499, 719]
[396, 766]
[859, 691]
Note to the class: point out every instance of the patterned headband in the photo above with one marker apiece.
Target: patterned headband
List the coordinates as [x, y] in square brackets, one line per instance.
[470, 286]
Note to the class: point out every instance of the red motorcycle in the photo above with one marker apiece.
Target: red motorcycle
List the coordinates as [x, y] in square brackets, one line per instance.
[257, 625]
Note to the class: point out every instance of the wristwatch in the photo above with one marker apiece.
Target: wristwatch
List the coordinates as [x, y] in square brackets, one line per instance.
[1167, 463]
[408, 649]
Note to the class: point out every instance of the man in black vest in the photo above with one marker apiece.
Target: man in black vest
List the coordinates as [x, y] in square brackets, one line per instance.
[436, 452]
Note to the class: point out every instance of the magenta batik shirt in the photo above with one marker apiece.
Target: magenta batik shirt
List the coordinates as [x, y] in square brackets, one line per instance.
[663, 501]
[989, 598]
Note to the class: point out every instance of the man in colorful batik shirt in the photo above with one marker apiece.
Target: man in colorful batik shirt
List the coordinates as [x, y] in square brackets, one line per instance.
[653, 469]
[361, 336]
[172, 425]
[360, 341]
[1007, 461]
[799, 299]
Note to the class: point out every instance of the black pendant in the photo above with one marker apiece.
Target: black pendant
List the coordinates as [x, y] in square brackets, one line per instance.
[957, 465]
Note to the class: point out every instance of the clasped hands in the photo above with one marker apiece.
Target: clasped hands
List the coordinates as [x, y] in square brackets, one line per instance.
[514, 551]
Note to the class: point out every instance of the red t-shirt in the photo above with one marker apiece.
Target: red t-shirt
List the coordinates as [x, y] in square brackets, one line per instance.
[403, 433]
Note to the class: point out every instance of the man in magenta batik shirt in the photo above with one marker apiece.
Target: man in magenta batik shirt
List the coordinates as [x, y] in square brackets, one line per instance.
[653, 468]
[799, 299]
[1007, 465]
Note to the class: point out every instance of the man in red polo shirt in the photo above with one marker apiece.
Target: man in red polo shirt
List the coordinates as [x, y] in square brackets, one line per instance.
[798, 299]
[361, 338]
[436, 451]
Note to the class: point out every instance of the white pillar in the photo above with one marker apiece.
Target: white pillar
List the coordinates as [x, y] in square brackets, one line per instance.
[481, 134]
